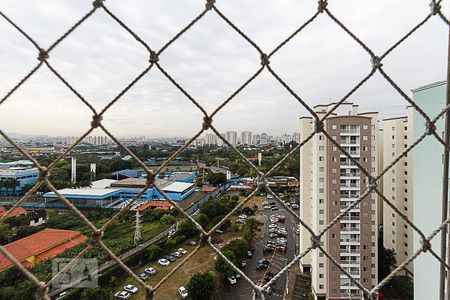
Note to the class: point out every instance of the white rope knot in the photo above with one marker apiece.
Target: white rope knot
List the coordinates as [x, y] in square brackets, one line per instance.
[426, 245]
[318, 126]
[97, 3]
[41, 290]
[434, 7]
[151, 177]
[322, 5]
[209, 4]
[376, 62]
[153, 57]
[430, 128]
[43, 174]
[43, 55]
[315, 241]
[206, 122]
[96, 236]
[372, 183]
[96, 121]
[265, 59]
[149, 292]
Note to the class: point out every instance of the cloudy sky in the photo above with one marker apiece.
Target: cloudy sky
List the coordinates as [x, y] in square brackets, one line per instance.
[210, 61]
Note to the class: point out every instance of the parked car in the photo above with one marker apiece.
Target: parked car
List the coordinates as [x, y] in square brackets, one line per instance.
[266, 206]
[268, 290]
[269, 275]
[243, 216]
[273, 225]
[192, 243]
[143, 276]
[264, 261]
[243, 263]
[170, 258]
[182, 251]
[122, 295]
[131, 288]
[274, 208]
[281, 218]
[62, 295]
[183, 292]
[163, 262]
[260, 267]
[295, 206]
[269, 196]
[268, 248]
[281, 248]
[176, 254]
[150, 271]
[273, 235]
[232, 280]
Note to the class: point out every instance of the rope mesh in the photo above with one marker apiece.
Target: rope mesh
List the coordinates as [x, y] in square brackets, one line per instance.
[374, 64]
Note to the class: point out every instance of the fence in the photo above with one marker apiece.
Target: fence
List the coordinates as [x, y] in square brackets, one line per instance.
[44, 61]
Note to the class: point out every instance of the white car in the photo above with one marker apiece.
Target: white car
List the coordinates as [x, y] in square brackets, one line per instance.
[176, 254]
[182, 251]
[295, 206]
[232, 280]
[163, 262]
[242, 216]
[122, 295]
[183, 292]
[269, 196]
[150, 271]
[131, 288]
[273, 225]
[60, 296]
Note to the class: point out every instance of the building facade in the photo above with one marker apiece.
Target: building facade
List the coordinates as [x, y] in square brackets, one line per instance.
[398, 186]
[427, 186]
[330, 182]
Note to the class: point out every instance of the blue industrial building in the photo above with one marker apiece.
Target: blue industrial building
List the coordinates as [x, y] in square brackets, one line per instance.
[15, 175]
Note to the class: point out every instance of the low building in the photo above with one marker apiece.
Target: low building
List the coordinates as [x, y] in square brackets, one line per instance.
[40, 246]
[161, 204]
[283, 181]
[18, 211]
[13, 179]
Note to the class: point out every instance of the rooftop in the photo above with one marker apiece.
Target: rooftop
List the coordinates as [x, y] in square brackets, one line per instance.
[177, 187]
[18, 211]
[18, 171]
[83, 192]
[136, 183]
[164, 205]
[44, 244]
[429, 86]
[102, 183]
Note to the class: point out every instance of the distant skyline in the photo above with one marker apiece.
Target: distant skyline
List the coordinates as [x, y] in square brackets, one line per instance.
[210, 61]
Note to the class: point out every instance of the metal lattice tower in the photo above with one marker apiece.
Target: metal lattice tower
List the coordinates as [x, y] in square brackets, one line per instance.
[137, 232]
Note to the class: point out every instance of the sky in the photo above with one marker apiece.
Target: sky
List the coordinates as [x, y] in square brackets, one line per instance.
[210, 61]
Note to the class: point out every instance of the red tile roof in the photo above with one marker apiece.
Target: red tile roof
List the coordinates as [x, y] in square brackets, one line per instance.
[164, 205]
[208, 189]
[44, 245]
[16, 212]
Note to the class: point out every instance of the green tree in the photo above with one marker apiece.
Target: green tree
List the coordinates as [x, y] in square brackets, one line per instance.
[239, 247]
[168, 219]
[95, 293]
[187, 228]
[202, 219]
[153, 251]
[223, 267]
[5, 233]
[386, 261]
[216, 178]
[201, 286]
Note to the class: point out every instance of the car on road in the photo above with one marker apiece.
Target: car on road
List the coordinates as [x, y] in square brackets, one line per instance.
[183, 292]
[131, 288]
[232, 280]
[150, 271]
[163, 262]
[143, 276]
[122, 295]
[269, 275]
[182, 251]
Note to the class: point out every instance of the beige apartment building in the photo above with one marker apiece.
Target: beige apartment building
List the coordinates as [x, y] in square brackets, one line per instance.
[330, 182]
[397, 186]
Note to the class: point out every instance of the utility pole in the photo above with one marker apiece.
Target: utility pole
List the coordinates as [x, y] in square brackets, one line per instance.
[137, 232]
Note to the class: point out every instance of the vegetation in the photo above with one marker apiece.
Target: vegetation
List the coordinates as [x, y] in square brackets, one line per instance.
[201, 286]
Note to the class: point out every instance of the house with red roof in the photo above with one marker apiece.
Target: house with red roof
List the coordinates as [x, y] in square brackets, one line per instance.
[18, 211]
[161, 204]
[40, 246]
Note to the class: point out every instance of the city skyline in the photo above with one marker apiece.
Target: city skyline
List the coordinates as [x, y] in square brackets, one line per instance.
[43, 105]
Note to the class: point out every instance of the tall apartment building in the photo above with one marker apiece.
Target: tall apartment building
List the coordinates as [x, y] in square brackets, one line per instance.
[398, 186]
[232, 137]
[330, 182]
[246, 138]
[211, 139]
[427, 185]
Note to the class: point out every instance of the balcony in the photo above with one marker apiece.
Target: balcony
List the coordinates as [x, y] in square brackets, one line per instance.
[350, 218]
[350, 240]
[350, 228]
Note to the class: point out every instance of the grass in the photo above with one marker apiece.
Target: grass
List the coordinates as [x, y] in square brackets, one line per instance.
[153, 280]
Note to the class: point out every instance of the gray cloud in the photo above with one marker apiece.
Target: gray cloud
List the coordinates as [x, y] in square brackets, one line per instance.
[210, 61]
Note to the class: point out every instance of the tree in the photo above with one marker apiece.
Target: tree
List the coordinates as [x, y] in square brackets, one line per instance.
[95, 293]
[222, 266]
[168, 219]
[239, 247]
[201, 286]
[216, 178]
[187, 228]
[386, 261]
[153, 251]
[5, 233]
[202, 219]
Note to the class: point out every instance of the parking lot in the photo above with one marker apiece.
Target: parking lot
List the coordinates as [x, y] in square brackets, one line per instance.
[277, 258]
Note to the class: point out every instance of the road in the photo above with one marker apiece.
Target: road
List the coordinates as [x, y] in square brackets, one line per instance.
[242, 290]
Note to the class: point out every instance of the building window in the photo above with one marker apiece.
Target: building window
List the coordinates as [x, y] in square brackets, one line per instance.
[321, 211]
[320, 286]
[393, 137]
[321, 158]
[393, 128]
[333, 181]
[321, 169]
[333, 126]
[321, 179]
[365, 138]
[321, 222]
[321, 201]
[320, 265]
[334, 148]
[320, 275]
[365, 127]
[321, 137]
[333, 171]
